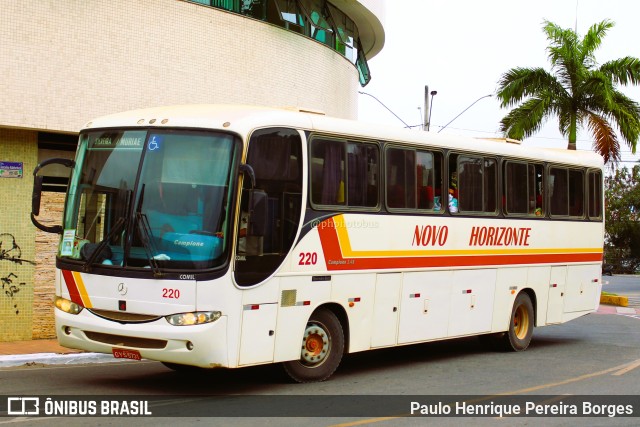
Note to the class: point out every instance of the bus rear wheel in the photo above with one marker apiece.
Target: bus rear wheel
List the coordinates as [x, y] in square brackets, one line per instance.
[321, 349]
[518, 337]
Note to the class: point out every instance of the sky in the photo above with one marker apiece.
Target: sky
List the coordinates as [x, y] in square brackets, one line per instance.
[460, 48]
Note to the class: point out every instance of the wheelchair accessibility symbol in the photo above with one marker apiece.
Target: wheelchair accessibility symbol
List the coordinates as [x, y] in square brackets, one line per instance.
[154, 143]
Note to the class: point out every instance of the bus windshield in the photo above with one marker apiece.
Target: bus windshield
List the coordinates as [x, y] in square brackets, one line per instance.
[151, 199]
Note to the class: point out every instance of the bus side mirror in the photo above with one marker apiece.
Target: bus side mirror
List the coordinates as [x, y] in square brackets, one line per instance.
[36, 195]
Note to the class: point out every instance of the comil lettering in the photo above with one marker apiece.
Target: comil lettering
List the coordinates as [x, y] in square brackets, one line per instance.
[430, 235]
[499, 236]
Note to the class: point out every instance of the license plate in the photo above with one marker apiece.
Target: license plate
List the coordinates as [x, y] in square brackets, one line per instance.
[122, 353]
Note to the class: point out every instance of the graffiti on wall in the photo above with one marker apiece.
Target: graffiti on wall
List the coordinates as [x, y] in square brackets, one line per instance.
[11, 252]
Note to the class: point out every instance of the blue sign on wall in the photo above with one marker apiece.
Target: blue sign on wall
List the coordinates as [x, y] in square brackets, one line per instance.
[10, 169]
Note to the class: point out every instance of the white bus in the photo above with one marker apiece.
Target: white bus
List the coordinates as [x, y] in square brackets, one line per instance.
[227, 236]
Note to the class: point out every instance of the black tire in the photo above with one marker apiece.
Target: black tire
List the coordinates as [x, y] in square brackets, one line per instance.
[322, 349]
[518, 337]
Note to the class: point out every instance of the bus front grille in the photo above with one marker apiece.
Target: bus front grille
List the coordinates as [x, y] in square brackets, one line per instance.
[119, 340]
[124, 317]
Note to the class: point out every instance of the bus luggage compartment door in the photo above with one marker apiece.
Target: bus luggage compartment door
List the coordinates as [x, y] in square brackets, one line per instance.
[386, 310]
[557, 284]
[582, 288]
[425, 305]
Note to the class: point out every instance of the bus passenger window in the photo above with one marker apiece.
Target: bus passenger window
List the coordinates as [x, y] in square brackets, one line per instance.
[401, 180]
[362, 174]
[472, 184]
[344, 173]
[595, 195]
[576, 193]
[414, 179]
[522, 189]
[327, 172]
[425, 182]
[558, 192]
[490, 184]
[566, 188]
[536, 199]
[516, 187]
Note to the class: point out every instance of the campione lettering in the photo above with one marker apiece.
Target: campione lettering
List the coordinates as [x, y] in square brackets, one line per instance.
[188, 243]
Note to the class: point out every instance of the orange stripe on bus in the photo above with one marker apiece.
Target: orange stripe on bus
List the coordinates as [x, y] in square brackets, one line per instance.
[86, 301]
[337, 248]
[70, 281]
[77, 290]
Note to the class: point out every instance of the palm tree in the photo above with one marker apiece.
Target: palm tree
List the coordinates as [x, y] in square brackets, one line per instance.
[577, 91]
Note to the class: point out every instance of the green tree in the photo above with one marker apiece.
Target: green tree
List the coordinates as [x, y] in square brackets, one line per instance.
[577, 91]
[622, 220]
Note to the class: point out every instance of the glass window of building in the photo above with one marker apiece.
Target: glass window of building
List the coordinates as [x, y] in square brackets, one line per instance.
[290, 13]
[320, 29]
[346, 32]
[317, 19]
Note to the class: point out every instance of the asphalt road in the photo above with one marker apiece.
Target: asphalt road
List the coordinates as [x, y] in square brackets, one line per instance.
[596, 355]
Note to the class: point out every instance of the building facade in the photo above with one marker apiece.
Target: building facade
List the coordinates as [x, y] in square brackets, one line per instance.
[66, 62]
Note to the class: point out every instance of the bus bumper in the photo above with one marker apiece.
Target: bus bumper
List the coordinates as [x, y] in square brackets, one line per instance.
[197, 345]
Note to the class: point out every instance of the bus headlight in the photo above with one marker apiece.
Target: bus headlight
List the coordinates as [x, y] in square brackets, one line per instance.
[66, 305]
[193, 318]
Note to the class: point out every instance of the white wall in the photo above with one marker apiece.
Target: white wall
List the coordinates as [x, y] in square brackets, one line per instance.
[66, 62]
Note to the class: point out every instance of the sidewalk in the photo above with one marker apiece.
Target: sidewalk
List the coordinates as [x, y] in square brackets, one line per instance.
[18, 353]
[34, 346]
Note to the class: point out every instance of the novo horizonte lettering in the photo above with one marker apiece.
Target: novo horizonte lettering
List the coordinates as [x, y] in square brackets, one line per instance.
[500, 236]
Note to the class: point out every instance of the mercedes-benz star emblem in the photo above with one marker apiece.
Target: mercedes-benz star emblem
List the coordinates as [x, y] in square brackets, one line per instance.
[122, 288]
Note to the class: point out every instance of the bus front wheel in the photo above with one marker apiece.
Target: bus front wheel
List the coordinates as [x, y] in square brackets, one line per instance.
[518, 337]
[321, 349]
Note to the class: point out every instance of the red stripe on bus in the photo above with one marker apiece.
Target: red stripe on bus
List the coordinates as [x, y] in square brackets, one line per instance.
[72, 287]
[335, 261]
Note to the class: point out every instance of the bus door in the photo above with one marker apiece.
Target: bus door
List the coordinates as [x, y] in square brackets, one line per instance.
[555, 306]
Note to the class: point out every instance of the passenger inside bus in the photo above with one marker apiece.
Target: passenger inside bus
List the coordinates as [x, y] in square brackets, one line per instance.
[453, 193]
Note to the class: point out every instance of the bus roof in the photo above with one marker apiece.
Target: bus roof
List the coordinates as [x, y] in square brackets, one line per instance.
[244, 119]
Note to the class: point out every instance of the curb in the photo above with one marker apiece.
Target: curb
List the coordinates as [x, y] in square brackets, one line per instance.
[622, 301]
[55, 359]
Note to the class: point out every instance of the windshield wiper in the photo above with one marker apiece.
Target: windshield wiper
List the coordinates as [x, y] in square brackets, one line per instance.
[103, 243]
[146, 237]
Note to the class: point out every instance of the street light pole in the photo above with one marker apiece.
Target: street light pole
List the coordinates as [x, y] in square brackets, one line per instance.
[425, 119]
[474, 102]
[432, 93]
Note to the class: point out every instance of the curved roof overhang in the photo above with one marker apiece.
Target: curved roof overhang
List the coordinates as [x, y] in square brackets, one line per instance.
[368, 16]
